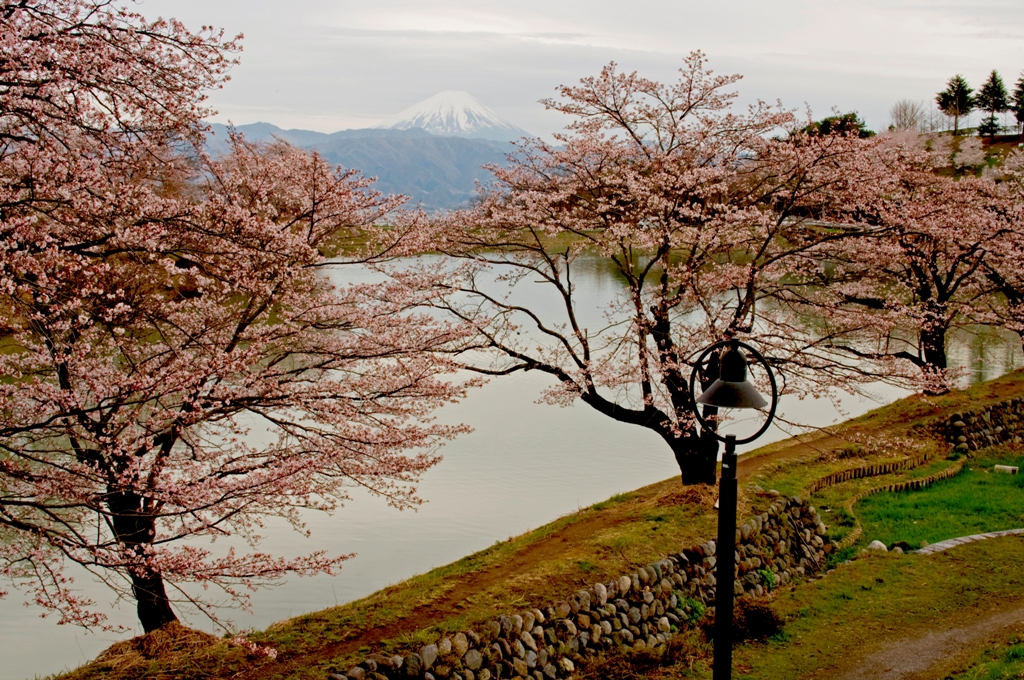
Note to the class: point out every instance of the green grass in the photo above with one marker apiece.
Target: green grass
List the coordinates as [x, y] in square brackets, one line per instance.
[880, 598]
[867, 439]
[614, 500]
[997, 664]
[831, 501]
[793, 477]
[975, 501]
[833, 624]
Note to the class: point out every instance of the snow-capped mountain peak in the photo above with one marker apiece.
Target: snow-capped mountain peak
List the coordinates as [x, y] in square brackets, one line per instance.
[456, 114]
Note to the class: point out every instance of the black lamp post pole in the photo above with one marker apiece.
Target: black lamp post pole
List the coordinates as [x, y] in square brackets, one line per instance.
[730, 390]
[725, 568]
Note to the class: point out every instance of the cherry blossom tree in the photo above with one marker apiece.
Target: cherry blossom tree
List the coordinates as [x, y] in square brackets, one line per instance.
[698, 210]
[927, 240]
[1002, 265]
[89, 88]
[176, 365]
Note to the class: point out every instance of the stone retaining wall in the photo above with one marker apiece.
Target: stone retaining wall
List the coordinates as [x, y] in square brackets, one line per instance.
[996, 424]
[967, 431]
[637, 610]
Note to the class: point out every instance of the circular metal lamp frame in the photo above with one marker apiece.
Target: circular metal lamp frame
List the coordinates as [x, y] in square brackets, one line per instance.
[774, 402]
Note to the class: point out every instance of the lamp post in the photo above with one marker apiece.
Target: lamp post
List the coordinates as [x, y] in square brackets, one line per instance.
[731, 390]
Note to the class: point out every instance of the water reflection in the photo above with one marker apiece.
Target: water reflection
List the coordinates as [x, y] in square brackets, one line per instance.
[984, 353]
[524, 465]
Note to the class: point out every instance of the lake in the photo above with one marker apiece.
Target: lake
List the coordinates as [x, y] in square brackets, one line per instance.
[524, 465]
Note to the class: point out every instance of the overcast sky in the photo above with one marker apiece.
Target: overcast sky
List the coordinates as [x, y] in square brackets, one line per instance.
[334, 64]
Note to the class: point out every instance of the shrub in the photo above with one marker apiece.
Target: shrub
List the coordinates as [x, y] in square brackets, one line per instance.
[680, 650]
[768, 577]
[755, 620]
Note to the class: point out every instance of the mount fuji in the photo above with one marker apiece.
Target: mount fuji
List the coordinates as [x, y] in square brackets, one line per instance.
[434, 152]
[455, 114]
[437, 172]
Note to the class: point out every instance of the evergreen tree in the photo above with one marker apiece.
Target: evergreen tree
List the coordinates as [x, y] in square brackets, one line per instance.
[1018, 101]
[992, 97]
[989, 126]
[956, 100]
[846, 123]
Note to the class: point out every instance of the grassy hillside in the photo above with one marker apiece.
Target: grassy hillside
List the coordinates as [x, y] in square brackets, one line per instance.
[618, 535]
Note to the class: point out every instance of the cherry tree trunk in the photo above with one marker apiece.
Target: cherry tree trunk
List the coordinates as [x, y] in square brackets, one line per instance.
[135, 529]
[933, 348]
[933, 353]
[152, 605]
[697, 458]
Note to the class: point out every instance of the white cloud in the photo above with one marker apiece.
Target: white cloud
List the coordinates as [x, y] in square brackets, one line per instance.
[327, 64]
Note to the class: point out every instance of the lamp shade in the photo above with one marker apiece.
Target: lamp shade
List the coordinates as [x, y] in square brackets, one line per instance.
[732, 390]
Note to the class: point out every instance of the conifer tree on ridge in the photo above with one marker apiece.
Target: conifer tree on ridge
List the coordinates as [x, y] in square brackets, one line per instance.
[956, 100]
[992, 97]
[1017, 105]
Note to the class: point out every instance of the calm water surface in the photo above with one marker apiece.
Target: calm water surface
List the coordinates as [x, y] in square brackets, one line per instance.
[524, 465]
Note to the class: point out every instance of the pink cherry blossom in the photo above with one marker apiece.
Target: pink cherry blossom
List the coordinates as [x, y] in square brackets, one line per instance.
[706, 215]
[177, 366]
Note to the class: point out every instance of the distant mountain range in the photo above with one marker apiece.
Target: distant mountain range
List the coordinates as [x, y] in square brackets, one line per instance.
[432, 152]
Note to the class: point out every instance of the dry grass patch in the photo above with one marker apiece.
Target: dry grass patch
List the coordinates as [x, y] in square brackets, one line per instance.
[173, 651]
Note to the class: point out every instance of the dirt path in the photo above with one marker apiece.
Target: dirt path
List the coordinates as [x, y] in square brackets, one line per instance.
[914, 657]
[749, 466]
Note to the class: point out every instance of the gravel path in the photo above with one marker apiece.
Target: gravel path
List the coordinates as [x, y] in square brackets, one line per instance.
[911, 656]
[906, 658]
